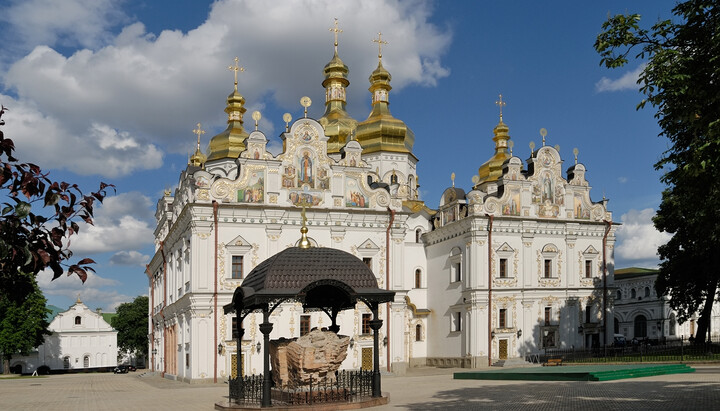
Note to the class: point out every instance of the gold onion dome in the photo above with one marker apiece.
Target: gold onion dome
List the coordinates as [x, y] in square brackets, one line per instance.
[231, 142]
[381, 131]
[336, 121]
[492, 169]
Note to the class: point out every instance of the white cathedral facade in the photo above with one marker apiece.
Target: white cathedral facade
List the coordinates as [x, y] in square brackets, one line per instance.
[514, 265]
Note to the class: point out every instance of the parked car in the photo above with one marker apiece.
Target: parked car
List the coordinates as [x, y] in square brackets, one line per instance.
[131, 368]
[120, 369]
[619, 340]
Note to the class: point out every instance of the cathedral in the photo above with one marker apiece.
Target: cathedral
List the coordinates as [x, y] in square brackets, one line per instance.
[520, 262]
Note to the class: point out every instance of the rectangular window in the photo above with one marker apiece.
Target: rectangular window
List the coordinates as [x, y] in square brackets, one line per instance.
[237, 266]
[368, 262]
[366, 324]
[588, 269]
[458, 272]
[418, 278]
[503, 267]
[187, 360]
[548, 269]
[304, 324]
[502, 318]
[548, 315]
[588, 313]
[457, 321]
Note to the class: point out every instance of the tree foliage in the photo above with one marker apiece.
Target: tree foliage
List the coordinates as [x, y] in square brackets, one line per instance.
[23, 324]
[38, 217]
[681, 80]
[131, 323]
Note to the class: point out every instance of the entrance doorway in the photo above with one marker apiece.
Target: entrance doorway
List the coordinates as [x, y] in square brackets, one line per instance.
[367, 359]
[503, 349]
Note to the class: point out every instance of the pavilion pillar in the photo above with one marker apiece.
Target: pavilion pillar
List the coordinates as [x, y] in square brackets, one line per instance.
[265, 328]
[239, 381]
[375, 325]
[334, 327]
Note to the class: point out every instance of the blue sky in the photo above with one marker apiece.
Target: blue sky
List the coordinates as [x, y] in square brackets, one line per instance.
[102, 90]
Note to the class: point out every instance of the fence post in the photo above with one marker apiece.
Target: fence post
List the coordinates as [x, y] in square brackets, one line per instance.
[682, 345]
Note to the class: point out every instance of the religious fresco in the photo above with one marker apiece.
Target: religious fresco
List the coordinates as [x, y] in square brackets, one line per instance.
[449, 215]
[254, 192]
[580, 210]
[306, 174]
[305, 198]
[323, 180]
[288, 176]
[354, 196]
[512, 207]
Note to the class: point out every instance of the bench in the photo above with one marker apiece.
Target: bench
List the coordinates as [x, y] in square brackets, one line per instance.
[553, 362]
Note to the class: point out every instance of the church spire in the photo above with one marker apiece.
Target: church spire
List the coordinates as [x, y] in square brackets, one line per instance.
[336, 121]
[381, 131]
[492, 169]
[231, 142]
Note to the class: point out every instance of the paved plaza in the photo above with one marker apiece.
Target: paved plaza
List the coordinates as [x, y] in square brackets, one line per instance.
[424, 389]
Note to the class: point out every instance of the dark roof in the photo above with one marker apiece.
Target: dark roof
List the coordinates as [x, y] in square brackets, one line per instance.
[633, 272]
[294, 272]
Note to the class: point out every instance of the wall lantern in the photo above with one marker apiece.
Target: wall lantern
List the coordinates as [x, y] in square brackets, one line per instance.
[385, 341]
[519, 333]
[492, 334]
[352, 343]
[257, 347]
[220, 349]
[580, 329]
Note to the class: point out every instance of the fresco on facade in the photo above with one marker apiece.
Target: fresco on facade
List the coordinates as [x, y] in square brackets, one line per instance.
[288, 177]
[305, 173]
[580, 210]
[254, 192]
[323, 180]
[449, 215]
[305, 198]
[512, 207]
[354, 197]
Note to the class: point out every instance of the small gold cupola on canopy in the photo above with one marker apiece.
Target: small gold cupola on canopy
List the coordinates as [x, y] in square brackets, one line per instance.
[381, 131]
[231, 142]
[198, 159]
[336, 121]
[492, 169]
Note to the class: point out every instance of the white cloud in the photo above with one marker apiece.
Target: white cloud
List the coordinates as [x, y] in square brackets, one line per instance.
[66, 22]
[638, 240]
[95, 292]
[123, 222]
[129, 258]
[110, 102]
[628, 81]
[622, 180]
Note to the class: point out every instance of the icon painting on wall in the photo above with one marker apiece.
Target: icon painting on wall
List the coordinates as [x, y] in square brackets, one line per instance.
[353, 195]
[254, 191]
[305, 170]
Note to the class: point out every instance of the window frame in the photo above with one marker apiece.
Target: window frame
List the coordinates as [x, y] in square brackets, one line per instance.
[366, 329]
[233, 267]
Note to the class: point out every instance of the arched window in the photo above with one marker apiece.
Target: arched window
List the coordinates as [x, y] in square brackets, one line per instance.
[640, 327]
[418, 233]
[619, 295]
[632, 293]
[418, 332]
[86, 361]
[616, 325]
[66, 362]
[418, 278]
[78, 320]
[672, 324]
[647, 291]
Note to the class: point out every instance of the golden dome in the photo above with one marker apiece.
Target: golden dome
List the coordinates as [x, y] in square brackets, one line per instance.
[231, 142]
[336, 121]
[381, 131]
[492, 169]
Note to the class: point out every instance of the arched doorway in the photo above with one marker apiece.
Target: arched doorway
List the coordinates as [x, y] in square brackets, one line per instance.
[640, 329]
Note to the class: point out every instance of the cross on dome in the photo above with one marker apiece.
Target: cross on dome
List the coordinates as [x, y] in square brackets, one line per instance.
[235, 70]
[500, 103]
[336, 30]
[380, 43]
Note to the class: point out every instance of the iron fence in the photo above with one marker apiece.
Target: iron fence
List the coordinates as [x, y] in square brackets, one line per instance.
[348, 386]
[669, 351]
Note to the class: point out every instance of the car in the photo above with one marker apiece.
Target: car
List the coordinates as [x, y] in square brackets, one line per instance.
[131, 368]
[619, 340]
[120, 369]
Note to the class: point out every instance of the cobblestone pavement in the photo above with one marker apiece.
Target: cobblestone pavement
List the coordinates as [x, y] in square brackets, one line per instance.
[424, 389]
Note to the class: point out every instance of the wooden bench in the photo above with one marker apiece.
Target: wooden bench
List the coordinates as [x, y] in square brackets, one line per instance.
[553, 362]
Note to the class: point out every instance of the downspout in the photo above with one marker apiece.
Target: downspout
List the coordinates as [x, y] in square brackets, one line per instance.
[604, 247]
[215, 294]
[152, 315]
[490, 216]
[162, 310]
[387, 281]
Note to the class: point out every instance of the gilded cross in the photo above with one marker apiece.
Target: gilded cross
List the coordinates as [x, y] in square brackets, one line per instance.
[199, 131]
[235, 69]
[336, 30]
[500, 103]
[380, 43]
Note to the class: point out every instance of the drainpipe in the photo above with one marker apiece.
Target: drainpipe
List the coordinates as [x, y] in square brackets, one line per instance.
[387, 281]
[604, 247]
[162, 309]
[215, 294]
[152, 315]
[490, 216]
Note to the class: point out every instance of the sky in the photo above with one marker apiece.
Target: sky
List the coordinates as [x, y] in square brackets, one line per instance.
[110, 90]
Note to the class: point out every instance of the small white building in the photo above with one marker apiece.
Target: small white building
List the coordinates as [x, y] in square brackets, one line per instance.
[640, 313]
[81, 338]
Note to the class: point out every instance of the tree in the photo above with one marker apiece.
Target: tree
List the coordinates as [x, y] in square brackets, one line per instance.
[23, 325]
[131, 323]
[681, 79]
[31, 241]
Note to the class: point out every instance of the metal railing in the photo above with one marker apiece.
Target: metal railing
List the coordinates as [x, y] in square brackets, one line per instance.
[348, 386]
[669, 351]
